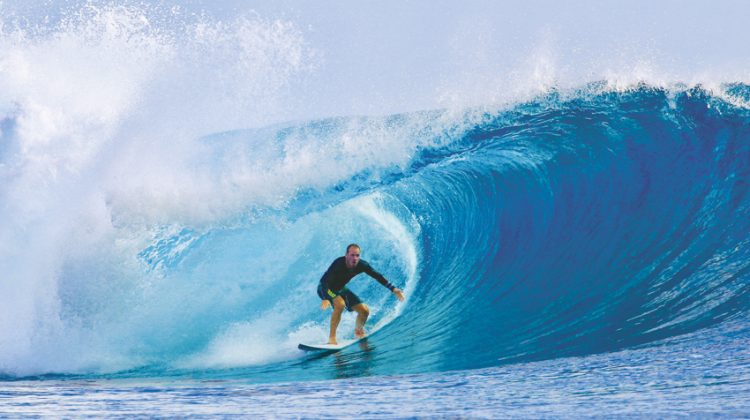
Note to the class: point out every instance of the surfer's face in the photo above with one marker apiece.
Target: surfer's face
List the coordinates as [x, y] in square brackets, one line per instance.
[352, 257]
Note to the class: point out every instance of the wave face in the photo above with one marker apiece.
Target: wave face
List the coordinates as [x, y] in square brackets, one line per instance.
[582, 225]
[568, 225]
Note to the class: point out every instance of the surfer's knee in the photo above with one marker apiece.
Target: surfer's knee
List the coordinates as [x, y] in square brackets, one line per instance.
[362, 308]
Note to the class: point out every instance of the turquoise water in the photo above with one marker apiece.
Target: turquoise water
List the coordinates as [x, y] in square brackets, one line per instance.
[613, 230]
[166, 211]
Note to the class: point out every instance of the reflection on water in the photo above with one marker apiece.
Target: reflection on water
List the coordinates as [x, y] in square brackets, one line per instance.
[354, 364]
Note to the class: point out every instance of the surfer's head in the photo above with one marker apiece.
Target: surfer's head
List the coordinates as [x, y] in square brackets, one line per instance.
[352, 255]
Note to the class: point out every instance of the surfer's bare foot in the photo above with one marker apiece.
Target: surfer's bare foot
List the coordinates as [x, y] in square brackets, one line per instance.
[332, 341]
[359, 332]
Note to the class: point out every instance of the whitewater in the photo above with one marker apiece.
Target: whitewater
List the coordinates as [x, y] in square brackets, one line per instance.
[562, 192]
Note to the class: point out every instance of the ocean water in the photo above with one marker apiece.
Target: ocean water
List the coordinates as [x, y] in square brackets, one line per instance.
[700, 375]
[176, 178]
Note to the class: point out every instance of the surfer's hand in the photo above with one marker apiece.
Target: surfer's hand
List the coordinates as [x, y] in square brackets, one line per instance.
[399, 294]
[324, 305]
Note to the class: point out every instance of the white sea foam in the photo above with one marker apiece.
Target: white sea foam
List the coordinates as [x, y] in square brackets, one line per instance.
[103, 112]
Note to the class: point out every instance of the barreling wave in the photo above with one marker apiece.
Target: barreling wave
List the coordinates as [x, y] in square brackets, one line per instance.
[584, 224]
[575, 223]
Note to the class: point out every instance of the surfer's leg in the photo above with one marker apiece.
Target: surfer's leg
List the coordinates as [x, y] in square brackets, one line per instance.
[338, 309]
[362, 313]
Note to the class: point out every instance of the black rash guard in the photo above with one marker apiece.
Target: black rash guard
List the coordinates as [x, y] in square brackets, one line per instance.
[338, 274]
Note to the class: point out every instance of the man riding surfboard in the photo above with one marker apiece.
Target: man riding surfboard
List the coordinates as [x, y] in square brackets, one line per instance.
[333, 291]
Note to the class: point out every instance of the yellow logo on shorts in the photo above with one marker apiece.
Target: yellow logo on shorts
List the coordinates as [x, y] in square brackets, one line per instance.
[331, 294]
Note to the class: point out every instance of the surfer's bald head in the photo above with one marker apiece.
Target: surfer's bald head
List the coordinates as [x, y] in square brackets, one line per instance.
[350, 246]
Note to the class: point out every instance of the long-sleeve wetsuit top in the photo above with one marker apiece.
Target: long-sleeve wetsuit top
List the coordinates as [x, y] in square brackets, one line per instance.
[338, 274]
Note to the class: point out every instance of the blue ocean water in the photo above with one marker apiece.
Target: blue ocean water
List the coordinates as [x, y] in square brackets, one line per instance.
[699, 375]
[581, 251]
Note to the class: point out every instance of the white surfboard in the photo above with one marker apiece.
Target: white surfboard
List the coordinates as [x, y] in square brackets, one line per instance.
[329, 347]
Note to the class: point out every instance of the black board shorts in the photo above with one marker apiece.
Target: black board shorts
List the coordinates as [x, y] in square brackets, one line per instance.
[350, 298]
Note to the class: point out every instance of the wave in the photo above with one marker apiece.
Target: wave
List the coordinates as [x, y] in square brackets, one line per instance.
[142, 233]
[583, 225]
[572, 224]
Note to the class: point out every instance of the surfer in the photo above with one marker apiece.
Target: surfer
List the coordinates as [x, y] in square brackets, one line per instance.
[333, 291]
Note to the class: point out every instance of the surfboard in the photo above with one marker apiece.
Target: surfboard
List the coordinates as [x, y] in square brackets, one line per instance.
[329, 347]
